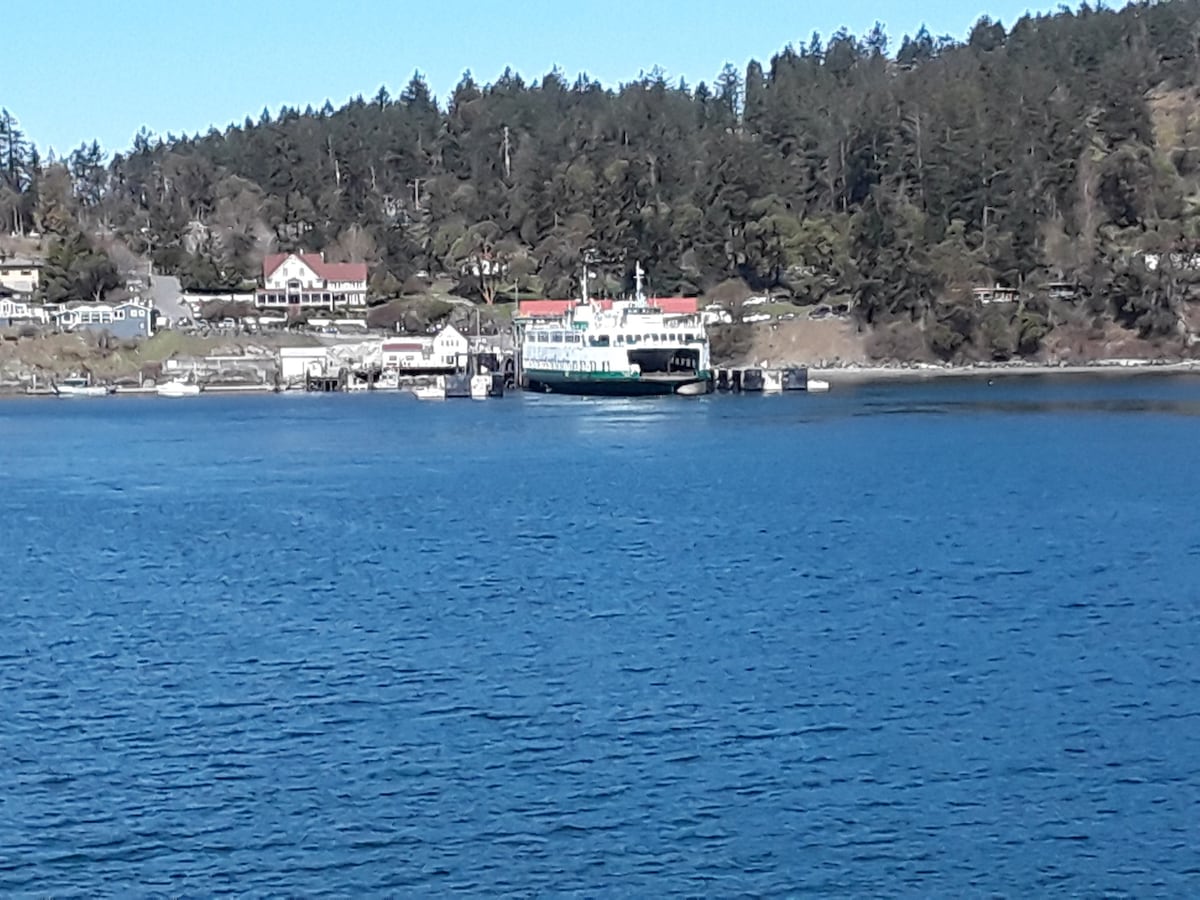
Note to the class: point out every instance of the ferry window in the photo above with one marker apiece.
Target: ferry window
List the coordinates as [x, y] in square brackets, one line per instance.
[599, 340]
[633, 339]
[620, 339]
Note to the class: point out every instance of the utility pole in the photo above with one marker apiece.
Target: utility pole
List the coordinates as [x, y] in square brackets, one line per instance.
[507, 159]
[416, 186]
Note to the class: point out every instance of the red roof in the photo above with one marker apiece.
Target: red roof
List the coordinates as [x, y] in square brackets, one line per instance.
[316, 261]
[675, 304]
[543, 307]
[558, 307]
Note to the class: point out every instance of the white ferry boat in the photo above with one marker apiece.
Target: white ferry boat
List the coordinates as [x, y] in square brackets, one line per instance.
[619, 348]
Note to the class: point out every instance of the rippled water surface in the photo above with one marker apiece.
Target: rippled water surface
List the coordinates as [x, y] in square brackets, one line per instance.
[931, 639]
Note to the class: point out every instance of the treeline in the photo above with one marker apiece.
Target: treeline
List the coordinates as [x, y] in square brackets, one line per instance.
[893, 178]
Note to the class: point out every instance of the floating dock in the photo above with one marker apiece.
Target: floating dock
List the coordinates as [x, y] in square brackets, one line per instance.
[758, 380]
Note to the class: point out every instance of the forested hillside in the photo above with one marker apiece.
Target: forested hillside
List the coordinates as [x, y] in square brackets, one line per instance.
[893, 178]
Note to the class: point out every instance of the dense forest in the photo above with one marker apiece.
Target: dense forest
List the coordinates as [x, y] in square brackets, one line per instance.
[892, 178]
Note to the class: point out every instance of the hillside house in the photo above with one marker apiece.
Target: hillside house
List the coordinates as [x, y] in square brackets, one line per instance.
[121, 320]
[305, 279]
[13, 311]
[21, 276]
[996, 294]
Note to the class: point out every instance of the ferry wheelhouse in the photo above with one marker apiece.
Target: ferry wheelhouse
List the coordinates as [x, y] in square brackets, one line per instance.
[615, 347]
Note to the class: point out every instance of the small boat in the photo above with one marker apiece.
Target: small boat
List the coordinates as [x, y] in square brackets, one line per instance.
[481, 387]
[816, 384]
[434, 389]
[177, 388]
[79, 387]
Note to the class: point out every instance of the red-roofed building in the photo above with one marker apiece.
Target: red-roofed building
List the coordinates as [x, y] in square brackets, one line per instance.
[550, 308]
[675, 304]
[305, 279]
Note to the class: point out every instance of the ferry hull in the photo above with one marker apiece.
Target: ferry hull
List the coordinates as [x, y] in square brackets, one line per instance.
[587, 384]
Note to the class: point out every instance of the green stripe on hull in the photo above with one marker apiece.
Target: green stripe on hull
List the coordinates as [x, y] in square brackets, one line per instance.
[606, 384]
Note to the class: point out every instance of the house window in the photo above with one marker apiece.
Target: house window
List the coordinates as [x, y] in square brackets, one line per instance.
[119, 314]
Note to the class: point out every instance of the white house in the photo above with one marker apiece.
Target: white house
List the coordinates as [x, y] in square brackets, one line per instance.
[450, 346]
[996, 294]
[19, 311]
[21, 276]
[305, 279]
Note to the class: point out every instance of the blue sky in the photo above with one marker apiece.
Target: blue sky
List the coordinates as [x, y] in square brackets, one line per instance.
[102, 70]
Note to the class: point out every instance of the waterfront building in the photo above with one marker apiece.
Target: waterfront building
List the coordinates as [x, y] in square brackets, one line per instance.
[446, 351]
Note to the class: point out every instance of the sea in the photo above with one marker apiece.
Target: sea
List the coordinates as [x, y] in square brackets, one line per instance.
[935, 638]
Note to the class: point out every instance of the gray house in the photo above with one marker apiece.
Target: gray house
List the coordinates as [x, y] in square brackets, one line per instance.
[122, 320]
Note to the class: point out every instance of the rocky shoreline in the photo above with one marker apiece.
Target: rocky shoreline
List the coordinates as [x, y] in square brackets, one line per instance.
[904, 371]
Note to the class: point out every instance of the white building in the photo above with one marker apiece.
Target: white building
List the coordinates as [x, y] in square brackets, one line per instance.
[305, 279]
[19, 311]
[297, 362]
[21, 276]
[451, 347]
[996, 294]
[447, 350]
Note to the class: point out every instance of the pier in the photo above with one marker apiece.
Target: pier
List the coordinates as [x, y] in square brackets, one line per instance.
[760, 380]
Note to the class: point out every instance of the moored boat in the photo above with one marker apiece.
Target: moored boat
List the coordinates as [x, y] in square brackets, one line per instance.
[177, 388]
[616, 348]
[481, 387]
[430, 389]
[79, 387]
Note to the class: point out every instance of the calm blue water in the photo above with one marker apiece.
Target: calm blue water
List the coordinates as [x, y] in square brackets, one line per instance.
[937, 639]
